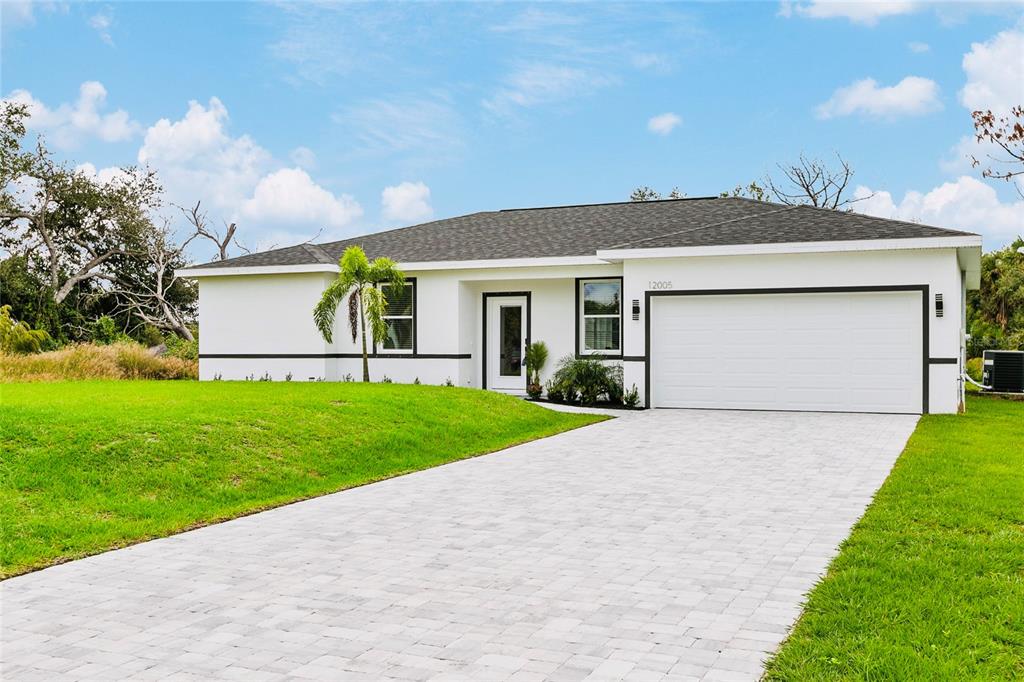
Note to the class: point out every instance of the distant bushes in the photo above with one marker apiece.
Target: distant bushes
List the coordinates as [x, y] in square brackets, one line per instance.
[118, 360]
[18, 337]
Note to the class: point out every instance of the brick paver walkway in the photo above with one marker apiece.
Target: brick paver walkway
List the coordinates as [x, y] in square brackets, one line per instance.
[663, 545]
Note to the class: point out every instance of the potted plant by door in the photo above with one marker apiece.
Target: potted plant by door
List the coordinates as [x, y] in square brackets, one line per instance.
[536, 356]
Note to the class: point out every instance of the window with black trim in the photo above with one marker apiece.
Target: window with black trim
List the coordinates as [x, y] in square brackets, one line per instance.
[399, 317]
[601, 316]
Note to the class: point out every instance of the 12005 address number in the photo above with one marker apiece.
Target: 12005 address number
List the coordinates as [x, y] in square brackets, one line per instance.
[663, 284]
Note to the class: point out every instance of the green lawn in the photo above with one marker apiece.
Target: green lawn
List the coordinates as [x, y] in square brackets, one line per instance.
[88, 466]
[930, 585]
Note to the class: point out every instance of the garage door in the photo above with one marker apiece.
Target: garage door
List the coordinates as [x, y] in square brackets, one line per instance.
[841, 352]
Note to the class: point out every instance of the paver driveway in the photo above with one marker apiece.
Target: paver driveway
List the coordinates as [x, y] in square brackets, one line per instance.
[673, 544]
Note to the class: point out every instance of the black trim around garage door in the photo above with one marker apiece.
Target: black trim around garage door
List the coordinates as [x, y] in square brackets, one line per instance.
[332, 356]
[922, 288]
[483, 317]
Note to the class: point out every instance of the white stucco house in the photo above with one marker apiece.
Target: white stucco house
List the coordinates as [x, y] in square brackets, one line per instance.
[707, 303]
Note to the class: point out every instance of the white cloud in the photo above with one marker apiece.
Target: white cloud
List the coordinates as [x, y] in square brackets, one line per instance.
[663, 124]
[429, 126]
[103, 174]
[918, 47]
[68, 125]
[995, 73]
[651, 60]
[303, 157]
[290, 197]
[912, 96]
[101, 22]
[198, 160]
[534, 19]
[964, 204]
[539, 83]
[406, 202]
[858, 12]
[16, 12]
[238, 180]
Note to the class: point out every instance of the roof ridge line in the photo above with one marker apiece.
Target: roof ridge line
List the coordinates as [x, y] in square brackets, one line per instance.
[606, 203]
[891, 220]
[701, 227]
[317, 252]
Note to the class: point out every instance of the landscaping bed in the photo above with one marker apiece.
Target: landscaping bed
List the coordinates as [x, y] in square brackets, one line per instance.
[930, 584]
[89, 466]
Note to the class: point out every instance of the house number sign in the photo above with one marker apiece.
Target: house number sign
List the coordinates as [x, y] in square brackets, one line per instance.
[663, 284]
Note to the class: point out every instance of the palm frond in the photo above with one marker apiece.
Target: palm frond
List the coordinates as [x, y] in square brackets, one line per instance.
[323, 313]
[375, 305]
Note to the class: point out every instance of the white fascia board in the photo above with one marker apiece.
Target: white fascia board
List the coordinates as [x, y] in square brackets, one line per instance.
[255, 270]
[969, 260]
[794, 247]
[501, 263]
[412, 266]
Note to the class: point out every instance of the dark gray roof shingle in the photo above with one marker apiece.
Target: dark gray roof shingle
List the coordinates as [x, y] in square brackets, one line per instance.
[583, 230]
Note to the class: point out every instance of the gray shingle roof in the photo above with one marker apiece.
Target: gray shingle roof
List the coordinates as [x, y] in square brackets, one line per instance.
[583, 230]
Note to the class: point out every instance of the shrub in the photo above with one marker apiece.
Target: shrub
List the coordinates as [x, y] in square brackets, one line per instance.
[631, 398]
[974, 369]
[104, 331]
[149, 336]
[588, 379]
[555, 393]
[18, 337]
[536, 357]
[534, 390]
[121, 360]
[181, 348]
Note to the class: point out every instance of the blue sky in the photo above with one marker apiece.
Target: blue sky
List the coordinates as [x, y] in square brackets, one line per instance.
[289, 118]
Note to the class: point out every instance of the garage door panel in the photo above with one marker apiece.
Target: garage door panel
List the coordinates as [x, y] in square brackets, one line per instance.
[837, 352]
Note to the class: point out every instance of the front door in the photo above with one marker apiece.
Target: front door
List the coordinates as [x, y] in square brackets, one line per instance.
[506, 343]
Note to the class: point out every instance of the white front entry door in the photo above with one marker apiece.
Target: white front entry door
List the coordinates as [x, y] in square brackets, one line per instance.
[506, 343]
[832, 352]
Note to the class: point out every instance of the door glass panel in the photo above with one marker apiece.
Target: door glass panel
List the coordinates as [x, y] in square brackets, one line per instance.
[511, 334]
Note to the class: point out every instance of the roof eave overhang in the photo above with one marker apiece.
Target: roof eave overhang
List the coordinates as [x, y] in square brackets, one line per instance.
[956, 242]
[255, 270]
[408, 266]
[541, 262]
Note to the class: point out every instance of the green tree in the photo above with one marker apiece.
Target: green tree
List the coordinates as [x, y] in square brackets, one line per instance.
[645, 193]
[359, 279]
[996, 311]
[18, 337]
[81, 248]
[752, 191]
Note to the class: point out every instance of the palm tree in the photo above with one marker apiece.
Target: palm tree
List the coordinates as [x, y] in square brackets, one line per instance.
[358, 279]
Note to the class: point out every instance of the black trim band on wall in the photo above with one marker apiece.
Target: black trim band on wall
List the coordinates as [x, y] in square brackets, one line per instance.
[922, 288]
[334, 356]
[483, 317]
[634, 358]
[943, 361]
[579, 322]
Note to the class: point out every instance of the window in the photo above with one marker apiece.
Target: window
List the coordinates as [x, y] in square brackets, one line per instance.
[601, 316]
[399, 316]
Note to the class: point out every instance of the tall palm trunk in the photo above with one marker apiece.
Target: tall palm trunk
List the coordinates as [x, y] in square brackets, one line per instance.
[362, 328]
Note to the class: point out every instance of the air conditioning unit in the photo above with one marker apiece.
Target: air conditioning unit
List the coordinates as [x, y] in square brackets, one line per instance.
[1004, 370]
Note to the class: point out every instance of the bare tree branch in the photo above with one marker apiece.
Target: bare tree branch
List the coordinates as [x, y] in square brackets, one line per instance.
[812, 182]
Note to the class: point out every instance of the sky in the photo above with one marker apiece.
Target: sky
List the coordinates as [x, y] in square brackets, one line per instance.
[304, 119]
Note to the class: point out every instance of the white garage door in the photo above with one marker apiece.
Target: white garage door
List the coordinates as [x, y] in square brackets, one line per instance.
[843, 352]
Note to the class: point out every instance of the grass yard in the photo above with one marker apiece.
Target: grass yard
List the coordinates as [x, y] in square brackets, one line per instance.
[89, 466]
[930, 585]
